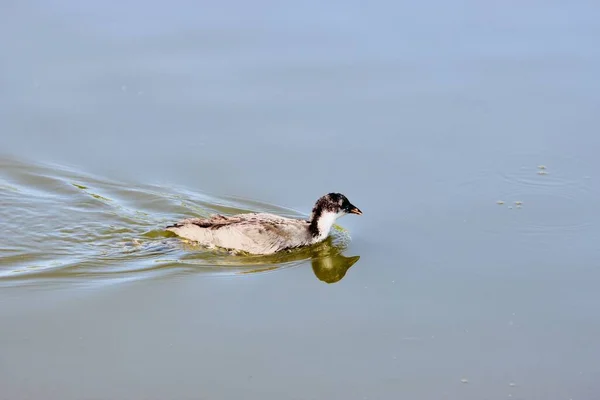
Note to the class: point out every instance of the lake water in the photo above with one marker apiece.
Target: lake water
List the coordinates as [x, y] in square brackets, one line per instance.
[466, 132]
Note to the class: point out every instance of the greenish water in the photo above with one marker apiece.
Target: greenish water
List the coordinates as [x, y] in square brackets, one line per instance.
[467, 133]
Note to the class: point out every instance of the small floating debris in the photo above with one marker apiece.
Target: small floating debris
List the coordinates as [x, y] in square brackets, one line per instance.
[542, 172]
[512, 384]
[464, 380]
[499, 202]
[518, 203]
[541, 167]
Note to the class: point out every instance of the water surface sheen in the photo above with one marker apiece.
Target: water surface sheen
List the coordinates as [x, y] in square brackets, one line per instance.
[466, 132]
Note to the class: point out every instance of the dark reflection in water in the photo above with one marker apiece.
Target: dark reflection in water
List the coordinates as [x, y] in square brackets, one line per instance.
[332, 269]
[328, 262]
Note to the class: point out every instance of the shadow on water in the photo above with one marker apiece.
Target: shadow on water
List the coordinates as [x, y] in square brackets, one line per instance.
[62, 225]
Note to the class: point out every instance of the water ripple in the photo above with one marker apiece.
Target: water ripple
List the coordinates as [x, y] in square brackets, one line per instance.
[553, 198]
[67, 225]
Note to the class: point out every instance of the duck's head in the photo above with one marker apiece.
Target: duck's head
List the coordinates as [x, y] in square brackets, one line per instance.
[326, 210]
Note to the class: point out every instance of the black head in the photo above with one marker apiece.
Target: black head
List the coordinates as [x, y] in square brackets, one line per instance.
[336, 203]
[321, 219]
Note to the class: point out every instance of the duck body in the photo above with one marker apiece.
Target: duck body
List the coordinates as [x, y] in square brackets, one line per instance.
[255, 233]
[262, 233]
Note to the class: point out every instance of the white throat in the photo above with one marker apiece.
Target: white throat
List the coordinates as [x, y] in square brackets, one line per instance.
[325, 222]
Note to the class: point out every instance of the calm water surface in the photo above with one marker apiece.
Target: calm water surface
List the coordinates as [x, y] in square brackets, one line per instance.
[467, 134]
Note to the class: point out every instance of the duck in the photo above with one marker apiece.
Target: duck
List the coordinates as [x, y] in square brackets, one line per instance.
[264, 233]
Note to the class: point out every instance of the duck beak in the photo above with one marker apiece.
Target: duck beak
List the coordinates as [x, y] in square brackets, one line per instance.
[355, 210]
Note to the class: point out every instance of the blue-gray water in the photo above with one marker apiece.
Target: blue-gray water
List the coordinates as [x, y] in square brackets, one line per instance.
[466, 132]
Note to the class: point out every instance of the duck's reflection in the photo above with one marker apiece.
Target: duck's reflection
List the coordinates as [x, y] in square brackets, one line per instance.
[331, 269]
[329, 264]
[328, 261]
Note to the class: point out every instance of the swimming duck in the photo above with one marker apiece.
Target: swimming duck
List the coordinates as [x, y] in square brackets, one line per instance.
[262, 233]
